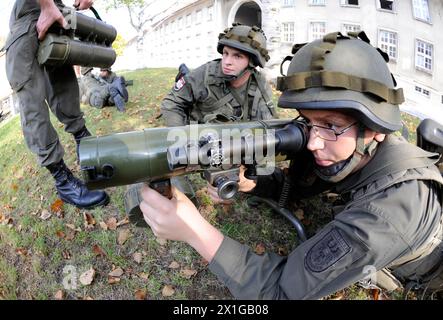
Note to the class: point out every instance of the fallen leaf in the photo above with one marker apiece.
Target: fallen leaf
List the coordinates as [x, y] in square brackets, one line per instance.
[123, 235]
[45, 215]
[72, 227]
[375, 294]
[117, 272]
[188, 273]
[174, 265]
[282, 251]
[260, 249]
[59, 295]
[113, 280]
[70, 235]
[60, 234]
[97, 250]
[137, 256]
[103, 225]
[300, 214]
[122, 222]
[87, 277]
[143, 275]
[89, 220]
[168, 291]
[66, 254]
[203, 262]
[22, 251]
[57, 207]
[112, 223]
[140, 294]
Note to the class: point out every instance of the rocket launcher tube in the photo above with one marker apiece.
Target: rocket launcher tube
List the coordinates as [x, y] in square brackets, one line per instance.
[148, 155]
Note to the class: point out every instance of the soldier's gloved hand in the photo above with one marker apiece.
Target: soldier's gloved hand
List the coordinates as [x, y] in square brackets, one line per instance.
[48, 15]
[83, 4]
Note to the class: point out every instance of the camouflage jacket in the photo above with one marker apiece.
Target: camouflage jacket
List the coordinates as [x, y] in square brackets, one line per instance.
[204, 95]
[390, 225]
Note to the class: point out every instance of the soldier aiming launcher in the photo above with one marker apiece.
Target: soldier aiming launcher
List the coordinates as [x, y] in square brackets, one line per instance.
[87, 42]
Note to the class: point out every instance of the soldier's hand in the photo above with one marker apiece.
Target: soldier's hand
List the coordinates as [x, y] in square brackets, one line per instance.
[48, 15]
[83, 4]
[174, 219]
[245, 185]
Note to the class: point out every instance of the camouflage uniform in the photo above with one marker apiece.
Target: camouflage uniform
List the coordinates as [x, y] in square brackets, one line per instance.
[38, 87]
[92, 91]
[204, 95]
[388, 230]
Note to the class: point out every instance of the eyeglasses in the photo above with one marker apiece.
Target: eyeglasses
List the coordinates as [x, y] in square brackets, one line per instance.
[328, 134]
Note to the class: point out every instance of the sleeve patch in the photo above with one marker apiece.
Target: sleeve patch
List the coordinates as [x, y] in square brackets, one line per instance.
[331, 248]
[179, 84]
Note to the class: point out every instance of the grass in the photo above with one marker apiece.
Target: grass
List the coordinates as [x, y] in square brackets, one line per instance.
[38, 257]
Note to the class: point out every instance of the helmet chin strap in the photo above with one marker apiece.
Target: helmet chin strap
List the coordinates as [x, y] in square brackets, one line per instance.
[239, 75]
[340, 170]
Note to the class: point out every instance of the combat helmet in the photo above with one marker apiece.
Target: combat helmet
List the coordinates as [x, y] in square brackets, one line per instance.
[343, 73]
[245, 38]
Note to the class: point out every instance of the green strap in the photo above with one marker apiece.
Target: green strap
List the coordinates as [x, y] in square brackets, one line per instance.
[246, 39]
[332, 79]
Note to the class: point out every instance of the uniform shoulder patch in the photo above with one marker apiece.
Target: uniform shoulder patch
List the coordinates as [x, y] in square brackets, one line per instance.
[179, 84]
[327, 251]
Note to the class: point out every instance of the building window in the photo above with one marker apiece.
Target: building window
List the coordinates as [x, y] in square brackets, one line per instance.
[198, 16]
[421, 10]
[350, 27]
[317, 30]
[423, 56]
[387, 41]
[349, 2]
[180, 23]
[317, 2]
[210, 13]
[423, 91]
[385, 5]
[288, 32]
[288, 3]
[188, 20]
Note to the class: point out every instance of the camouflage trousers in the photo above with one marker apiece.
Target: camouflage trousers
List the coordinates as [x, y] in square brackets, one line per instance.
[40, 90]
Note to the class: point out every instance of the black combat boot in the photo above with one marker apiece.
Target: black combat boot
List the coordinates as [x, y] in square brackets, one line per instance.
[73, 191]
[83, 132]
[117, 99]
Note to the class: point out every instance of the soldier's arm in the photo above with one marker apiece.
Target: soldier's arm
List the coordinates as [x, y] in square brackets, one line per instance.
[358, 242]
[177, 104]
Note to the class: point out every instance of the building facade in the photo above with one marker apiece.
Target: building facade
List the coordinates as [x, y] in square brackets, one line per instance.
[408, 30]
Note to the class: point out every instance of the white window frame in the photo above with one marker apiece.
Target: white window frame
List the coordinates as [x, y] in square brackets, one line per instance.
[424, 55]
[388, 45]
[422, 91]
[210, 13]
[344, 24]
[421, 12]
[345, 3]
[286, 33]
[287, 3]
[317, 2]
[198, 16]
[311, 32]
[394, 6]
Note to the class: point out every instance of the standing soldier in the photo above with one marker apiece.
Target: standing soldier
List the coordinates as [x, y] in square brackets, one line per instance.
[37, 86]
[226, 89]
